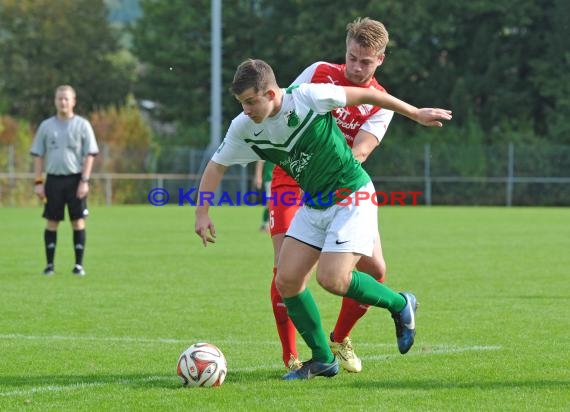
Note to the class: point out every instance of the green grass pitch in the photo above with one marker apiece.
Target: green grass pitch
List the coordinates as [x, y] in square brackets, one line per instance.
[492, 328]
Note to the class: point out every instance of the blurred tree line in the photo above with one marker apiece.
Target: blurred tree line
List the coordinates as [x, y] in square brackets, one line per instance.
[502, 65]
[45, 43]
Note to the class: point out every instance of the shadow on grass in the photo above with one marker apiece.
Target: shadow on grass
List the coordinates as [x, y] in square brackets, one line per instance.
[532, 297]
[141, 381]
[170, 381]
[432, 384]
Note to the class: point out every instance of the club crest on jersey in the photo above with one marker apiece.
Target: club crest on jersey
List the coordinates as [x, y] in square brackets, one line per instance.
[292, 118]
[365, 109]
[298, 163]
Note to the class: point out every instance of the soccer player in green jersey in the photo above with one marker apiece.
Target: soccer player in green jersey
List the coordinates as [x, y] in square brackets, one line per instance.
[363, 127]
[337, 225]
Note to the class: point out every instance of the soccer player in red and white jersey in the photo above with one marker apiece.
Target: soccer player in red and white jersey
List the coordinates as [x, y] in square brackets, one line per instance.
[364, 127]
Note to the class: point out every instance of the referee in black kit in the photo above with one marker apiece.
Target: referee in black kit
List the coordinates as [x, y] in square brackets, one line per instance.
[66, 145]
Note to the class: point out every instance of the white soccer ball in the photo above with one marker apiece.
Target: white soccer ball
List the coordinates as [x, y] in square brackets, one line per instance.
[202, 364]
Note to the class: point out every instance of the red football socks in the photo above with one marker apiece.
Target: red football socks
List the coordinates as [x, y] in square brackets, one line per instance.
[285, 327]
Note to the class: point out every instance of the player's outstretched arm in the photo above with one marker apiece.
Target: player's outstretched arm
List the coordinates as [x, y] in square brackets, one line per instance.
[431, 116]
[211, 178]
[426, 116]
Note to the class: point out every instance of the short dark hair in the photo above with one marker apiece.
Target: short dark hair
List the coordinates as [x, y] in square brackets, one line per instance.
[253, 73]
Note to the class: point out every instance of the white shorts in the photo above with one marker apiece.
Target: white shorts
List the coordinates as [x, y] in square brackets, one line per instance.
[345, 227]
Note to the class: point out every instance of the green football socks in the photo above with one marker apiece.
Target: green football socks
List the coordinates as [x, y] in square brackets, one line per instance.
[365, 289]
[305, 315]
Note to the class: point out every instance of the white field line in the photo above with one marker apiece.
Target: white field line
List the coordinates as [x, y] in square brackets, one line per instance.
[422, 351]
[437, 348]
[129, 339]
[124, 339]
[83, 385]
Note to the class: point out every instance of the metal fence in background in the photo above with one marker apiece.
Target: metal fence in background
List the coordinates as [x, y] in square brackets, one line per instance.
[509, 175]
[440, 174]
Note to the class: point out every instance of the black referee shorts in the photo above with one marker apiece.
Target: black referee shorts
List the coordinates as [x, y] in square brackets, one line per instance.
[61, 191]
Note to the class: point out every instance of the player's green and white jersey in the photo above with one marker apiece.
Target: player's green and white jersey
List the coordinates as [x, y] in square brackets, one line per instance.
[302, 138]
[64, 144]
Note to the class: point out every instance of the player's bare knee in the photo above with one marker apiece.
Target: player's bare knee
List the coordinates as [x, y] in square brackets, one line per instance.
[279, 284]
[374, 268]
[78, 224]
[381, 272]
[285, 287]
[333, 284]
[52, 225]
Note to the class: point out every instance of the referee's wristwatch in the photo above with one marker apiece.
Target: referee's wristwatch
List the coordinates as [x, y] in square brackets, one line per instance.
[84, 179]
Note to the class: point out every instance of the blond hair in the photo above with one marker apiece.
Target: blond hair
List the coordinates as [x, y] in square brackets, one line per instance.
[368, 33]
[65, 88]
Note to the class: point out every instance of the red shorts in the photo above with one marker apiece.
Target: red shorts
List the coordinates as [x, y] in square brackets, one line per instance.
[282, 208]
[285, 201]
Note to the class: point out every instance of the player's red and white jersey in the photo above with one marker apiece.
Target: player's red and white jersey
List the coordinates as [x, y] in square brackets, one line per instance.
[350, 120]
